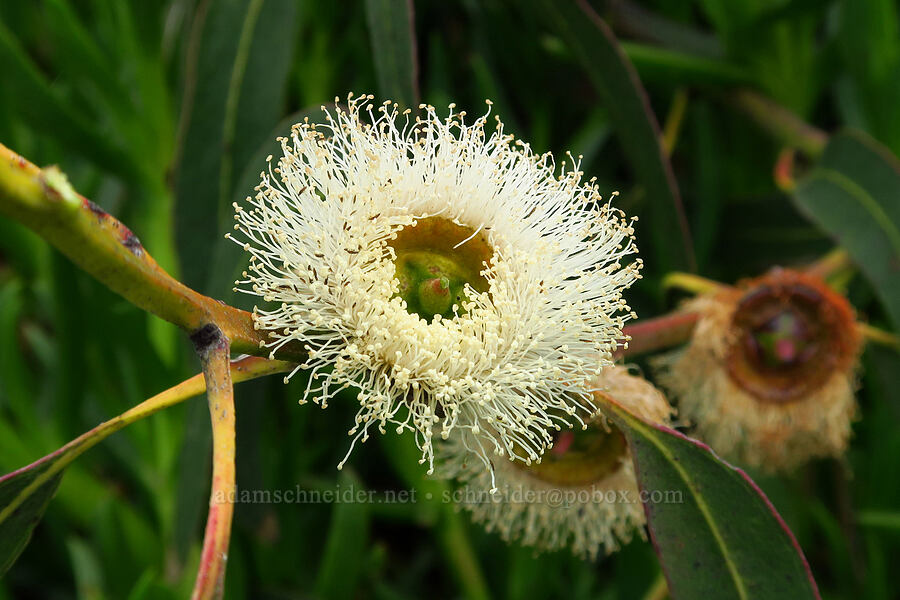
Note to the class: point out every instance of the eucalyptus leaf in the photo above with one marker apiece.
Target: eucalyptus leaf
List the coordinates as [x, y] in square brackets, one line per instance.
[854, 195]
[716, 533]
[234, 95]
[37, 487]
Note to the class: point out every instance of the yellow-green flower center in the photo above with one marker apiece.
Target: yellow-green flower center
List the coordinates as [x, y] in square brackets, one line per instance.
[436, 258]
[581, 457]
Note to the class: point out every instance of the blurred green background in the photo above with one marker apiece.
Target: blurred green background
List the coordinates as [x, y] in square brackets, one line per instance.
[163, 113]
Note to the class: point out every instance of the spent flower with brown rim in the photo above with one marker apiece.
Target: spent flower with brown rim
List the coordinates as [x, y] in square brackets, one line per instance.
[453, 277]
[768, 377]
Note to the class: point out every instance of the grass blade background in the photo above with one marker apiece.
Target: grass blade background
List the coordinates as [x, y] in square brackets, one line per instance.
[43, 108]
[233, 97]
[679, 68]
[869, 47]
[343, 556]
[391, 29]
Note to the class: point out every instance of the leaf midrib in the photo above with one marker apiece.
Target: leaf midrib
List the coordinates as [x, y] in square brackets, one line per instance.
[701, 504]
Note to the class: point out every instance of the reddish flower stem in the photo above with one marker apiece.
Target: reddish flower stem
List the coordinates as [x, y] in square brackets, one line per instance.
[649, 335]
[212, 347]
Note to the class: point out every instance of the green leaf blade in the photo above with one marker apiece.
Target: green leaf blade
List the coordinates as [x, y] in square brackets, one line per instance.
[17, 526]
[681, 68]
[233, 96]
[868, 163]
[716, 533]
[854, 196]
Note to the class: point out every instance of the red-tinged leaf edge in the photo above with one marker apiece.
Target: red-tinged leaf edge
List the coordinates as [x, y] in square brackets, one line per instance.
[747, 479]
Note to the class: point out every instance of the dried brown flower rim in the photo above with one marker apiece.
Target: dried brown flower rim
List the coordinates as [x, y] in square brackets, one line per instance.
[790, 333]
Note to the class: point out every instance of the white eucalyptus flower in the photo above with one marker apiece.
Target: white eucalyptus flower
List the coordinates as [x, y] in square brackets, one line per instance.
[582, 495]
[453, 277]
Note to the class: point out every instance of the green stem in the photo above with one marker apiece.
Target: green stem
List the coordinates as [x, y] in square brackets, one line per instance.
[831, 264]
[674, 120]
[690, 283]
[781, 122]
[879, 336]
[43, 200]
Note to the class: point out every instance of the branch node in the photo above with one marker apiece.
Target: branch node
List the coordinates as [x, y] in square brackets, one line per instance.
[209, 337]
[56, 185]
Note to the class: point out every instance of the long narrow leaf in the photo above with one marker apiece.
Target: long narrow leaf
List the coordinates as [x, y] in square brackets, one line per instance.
[617, 84]
[233, 96]
[854, 195]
